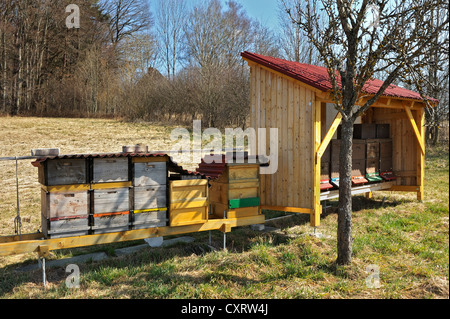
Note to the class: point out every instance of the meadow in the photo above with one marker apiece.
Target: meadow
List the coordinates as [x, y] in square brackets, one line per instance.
[407, 241]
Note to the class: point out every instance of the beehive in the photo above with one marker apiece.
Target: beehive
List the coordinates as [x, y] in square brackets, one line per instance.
[92, 193]
[110, 208]
[65, 210]
[189, 202]
[236, 193]
[62, 171]
[149, 195]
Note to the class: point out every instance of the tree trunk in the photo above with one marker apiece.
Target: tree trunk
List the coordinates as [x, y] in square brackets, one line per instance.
[344, 232]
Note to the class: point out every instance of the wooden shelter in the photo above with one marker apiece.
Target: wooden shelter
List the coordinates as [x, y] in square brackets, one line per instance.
[295, 98]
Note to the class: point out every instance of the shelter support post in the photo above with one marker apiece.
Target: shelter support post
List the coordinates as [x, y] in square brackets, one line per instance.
[418, 125]
[421, 155]
[317, 208]
[320, 147]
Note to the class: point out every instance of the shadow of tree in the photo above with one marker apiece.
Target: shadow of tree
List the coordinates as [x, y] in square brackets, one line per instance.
[238, 241]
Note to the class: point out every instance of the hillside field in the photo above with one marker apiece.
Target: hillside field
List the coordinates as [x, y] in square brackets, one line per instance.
[408, 241]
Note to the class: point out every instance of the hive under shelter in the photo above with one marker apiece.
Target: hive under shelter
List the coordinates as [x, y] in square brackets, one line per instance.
[296, 99]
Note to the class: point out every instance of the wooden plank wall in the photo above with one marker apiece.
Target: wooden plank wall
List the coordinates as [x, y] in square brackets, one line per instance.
[404, 143]
[279, 102]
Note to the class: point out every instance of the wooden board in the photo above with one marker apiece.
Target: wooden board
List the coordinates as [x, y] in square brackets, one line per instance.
[188, 216]
[191, 209]
[110, 200]
[63, 172]
[110, 222]
[359, 149]
[149, 197]
[286, 104]
[65, 227]
[151, 173]
[64, 204]
[108, 170]
[372, 165]
[149, 219]
[243, 172]
[220, 210]
[372, 149]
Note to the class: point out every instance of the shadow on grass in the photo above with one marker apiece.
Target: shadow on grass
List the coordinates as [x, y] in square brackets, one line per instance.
[240, 240]
[361, 203]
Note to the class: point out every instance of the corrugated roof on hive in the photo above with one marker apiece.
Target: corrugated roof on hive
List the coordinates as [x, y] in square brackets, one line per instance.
[172, 166]
[215, 169]
[318, 77]
[212, 170]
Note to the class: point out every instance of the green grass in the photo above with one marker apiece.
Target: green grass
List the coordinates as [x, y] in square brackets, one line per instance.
[407, 240]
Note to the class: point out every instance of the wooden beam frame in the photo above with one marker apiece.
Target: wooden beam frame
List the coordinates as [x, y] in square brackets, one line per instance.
[326, 141]
[41, 246]
[389, 103]
[420, 176]
[288, 209]
[408, 189]
[317, 207]
[359, 190]
[416, 130]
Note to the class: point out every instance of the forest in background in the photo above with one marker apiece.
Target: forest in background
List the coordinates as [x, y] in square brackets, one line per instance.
[168, 60]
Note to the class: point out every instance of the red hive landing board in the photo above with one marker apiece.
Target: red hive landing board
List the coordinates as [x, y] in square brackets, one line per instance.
[359, 180]
[325, 185]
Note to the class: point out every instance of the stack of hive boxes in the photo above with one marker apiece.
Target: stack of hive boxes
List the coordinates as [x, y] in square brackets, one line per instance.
[149, 192]
[95, 195]
[372, 155]
[236, 192]
[65, 198]
[110, 200]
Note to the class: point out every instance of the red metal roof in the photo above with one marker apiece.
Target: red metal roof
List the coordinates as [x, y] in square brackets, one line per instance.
[317, 76]
[212, 170]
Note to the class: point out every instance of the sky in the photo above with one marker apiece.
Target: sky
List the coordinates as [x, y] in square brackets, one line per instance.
[266, 11]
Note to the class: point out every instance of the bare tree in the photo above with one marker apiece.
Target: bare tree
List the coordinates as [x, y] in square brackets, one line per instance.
[437, 79]
[265, 41]
[295, 44]
[170, 19]
[354, 47]
[139, 54]
[126, 17]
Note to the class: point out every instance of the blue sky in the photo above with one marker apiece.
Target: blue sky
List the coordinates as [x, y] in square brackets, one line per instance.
[265, 11]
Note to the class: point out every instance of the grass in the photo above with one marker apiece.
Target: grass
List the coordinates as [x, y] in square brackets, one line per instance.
[407, 240]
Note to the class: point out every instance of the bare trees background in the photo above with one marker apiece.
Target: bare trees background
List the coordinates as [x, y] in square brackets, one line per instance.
[153, 60]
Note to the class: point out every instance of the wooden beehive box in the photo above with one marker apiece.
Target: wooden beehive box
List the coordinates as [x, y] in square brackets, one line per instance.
[66, 227]
[359, 150]
[383, 131]
[364, 131]
[189, 202]
[110, 170]
[55, 172]
[65, 197]
[110, 209]
[236, 193]
[65, 211]
[149, 193]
